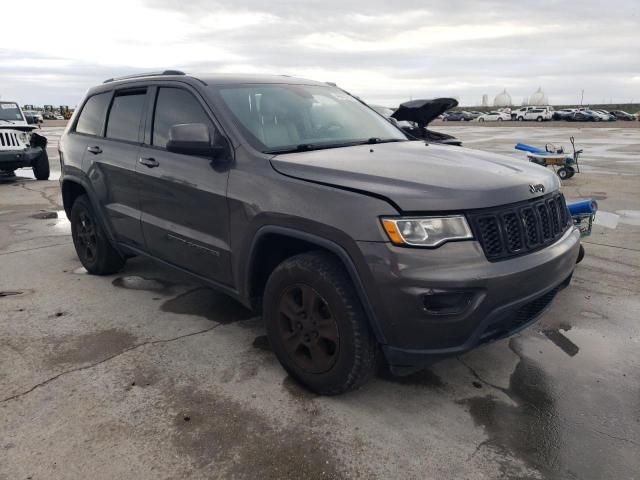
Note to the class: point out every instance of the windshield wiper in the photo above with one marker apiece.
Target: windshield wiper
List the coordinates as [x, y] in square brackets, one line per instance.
[8, 121]
[305, 147]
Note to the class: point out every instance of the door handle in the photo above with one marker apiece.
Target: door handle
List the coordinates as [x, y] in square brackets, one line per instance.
[95, 150]
[149, 162]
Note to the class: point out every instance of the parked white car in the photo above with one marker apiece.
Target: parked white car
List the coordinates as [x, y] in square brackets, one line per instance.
[494, 117]
[537, 114]
[20, 146]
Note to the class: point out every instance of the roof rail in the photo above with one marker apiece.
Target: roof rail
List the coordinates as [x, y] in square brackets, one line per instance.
[148, 74]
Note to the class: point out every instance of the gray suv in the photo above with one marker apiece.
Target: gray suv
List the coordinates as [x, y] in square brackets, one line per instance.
[357, 244]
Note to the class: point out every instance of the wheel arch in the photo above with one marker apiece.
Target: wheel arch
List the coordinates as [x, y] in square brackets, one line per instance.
[290, 242]
[72, 187]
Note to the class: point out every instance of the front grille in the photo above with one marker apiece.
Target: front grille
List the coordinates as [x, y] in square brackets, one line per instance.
[9, 139]
[520, 228]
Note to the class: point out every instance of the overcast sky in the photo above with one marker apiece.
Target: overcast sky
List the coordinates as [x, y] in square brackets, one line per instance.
[386, 52]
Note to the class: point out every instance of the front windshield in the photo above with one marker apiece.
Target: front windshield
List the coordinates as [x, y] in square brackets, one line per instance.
[10, 112]
[276, 118]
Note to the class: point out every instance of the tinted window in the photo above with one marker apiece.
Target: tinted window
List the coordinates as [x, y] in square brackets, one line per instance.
[125, 115]
[92, 115]
[175, 106]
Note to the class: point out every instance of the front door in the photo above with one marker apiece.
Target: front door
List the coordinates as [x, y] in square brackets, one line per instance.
[185, 218]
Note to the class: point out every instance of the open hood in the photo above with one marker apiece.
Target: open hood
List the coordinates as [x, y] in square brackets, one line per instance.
[419, 177]
[423, 111]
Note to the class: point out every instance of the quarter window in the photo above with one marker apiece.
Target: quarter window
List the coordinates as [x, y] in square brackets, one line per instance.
[92, 116]
[125, 115]
[175, 106]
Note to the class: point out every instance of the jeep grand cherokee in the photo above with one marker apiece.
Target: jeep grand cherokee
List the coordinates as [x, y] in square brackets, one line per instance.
[297, 199]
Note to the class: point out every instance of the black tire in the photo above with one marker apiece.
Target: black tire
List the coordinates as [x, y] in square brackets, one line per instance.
[570, 171]
[41, 166]
[332, 350]
[499, 119]
[94, 250]
[563, 173]
[482, 119]
[580, 254]
[520, 119]
[539, 119]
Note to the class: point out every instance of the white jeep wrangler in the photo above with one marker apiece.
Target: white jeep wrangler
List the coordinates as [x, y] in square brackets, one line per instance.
[20, 146]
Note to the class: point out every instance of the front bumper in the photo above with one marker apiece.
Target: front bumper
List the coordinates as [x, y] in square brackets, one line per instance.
[12, 159]
[501, 297]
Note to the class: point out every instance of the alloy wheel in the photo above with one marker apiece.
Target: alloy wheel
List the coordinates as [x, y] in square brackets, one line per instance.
[308, 329]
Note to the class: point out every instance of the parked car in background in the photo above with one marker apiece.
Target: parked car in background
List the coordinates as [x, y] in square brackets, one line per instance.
[49, 116]
[563, 113]
[518, 114]
[584, 116]
[537, 114]
[457, 116]
[20, 146]
[622, 115]
[57, 116]
[37, 116]
[606, 116]
[414, 116]
[475, 114]
[494, 117]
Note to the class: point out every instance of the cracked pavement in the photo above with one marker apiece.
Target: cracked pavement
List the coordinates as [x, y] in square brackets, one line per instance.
[148, 374]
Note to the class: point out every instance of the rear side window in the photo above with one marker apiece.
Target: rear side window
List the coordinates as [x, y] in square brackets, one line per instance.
[125, 115]
[92, 116]
[175, 106]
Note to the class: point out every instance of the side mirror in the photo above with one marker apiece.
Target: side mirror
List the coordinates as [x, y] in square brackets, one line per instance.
[194, 139]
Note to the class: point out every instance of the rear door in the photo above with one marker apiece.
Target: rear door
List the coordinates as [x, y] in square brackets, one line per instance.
[185, 216]
[110, 161]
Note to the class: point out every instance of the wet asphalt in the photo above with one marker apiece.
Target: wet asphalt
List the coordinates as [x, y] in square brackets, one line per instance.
[148, 374]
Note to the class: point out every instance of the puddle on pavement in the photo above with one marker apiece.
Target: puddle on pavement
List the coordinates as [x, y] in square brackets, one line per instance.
[45, 215]
[529, 429]
[90, 347]
[212, 431]
[133, 282]
[422, 378]
[262, 343]
[206, 302]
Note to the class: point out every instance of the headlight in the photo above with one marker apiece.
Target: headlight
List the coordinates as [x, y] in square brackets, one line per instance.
[426, 231]
[25, 137]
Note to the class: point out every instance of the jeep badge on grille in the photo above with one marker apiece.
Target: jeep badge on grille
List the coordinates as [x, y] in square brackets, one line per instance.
[536, 188]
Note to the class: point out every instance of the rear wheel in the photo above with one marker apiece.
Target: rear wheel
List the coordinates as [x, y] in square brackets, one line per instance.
[520, 119]
[41, 166]
[94, 250]
[481, 119]
[580, 254]
[499, 119]
[563, 173]
[539, 119]
[570, 171]
[317, 326]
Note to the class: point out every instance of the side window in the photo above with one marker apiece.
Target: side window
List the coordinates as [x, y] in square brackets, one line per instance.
[125, 115]
[175, 106]
[92, 116]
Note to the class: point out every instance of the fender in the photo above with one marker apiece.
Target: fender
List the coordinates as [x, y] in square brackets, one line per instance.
[69, 178]
[329, 245]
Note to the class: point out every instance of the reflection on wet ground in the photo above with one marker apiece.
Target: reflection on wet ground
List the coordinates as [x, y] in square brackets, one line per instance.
[209, 304]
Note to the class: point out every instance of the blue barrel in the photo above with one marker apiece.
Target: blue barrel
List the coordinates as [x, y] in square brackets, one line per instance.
[528, 148]
[583, 206]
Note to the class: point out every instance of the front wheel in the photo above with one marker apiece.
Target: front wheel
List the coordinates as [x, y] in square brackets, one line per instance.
[520, 119]
[317, 326]
[41, 166]
[481, 119]
[94, 250]
[499, 119]
[539, 119]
